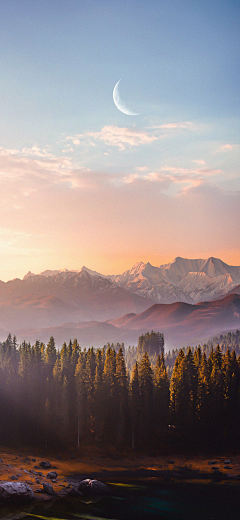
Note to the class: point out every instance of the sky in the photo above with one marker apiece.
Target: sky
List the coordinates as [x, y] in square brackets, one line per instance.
[81, 182]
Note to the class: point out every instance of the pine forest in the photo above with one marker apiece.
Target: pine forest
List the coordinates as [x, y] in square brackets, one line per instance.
[126, 398]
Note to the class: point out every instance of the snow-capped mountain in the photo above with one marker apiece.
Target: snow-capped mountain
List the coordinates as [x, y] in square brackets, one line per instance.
[182, 280]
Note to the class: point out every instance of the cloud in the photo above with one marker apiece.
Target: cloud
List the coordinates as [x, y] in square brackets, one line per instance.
[227, 148]
[124, 137]
[172, 126]
[199, 161]
[121, 137]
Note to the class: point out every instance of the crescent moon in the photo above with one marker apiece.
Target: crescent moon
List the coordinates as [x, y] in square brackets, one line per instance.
[119, 104]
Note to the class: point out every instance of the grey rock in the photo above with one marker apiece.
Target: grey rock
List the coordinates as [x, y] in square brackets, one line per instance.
[74, 492]
[92, 487]
[45, 464]
[52, 474]
[48, 489]
[227, 461]
[211, 462]
[14, 477]
[15, 490]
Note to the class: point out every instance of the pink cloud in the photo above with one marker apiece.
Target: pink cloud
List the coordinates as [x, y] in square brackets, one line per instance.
[227, 148]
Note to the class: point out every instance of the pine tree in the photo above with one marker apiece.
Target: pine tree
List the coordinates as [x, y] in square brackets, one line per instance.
[146, 399]
[122, 396]
[135, 404]
[161, 395]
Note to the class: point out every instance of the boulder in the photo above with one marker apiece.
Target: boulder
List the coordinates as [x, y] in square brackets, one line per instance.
[74, 492]
[52, 475]
[48, 489]
[15, 490]
[45, 464]
[90, 487]
[227, 461]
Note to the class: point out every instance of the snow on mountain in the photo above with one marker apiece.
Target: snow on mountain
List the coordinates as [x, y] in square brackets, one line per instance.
[183, 280]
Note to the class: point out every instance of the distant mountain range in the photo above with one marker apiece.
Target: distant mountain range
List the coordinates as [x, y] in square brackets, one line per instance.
[103, 308]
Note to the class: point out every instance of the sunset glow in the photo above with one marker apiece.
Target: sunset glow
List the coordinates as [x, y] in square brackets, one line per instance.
[84, 184]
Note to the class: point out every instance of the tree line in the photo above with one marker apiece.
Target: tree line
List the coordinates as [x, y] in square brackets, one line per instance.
[74, 396]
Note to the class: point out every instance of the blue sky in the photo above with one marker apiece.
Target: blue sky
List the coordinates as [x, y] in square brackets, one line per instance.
[61, 134]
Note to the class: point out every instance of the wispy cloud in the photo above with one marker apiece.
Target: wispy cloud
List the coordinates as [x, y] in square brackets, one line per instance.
[227, 148]
[173, 126]
[169, 176]
[121, 137]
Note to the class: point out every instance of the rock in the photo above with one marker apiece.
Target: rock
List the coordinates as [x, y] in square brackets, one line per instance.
[74, 492]
[14, 477]
[54, 480]
[45, 464]
[227, 467]
[212, 462]
[52, 474]
[15, 490]
[227, 461]
[92, 487]
[48, 489]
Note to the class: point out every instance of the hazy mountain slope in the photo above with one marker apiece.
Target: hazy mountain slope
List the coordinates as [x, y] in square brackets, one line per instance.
[183, 324]
[43, 301]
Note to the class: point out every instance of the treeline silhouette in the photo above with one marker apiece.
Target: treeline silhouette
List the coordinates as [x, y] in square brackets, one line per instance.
[63, 399]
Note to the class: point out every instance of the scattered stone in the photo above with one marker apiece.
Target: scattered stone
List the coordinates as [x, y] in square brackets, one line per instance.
[26, 471]
[38, 481]
[1, 460]
[210, 462]
[52, 474]
[33, 460]
[15, 490]
[227, 467]
[14, 477]
[215, 468]
[29, 482]
[37, 467]
[19, 475]
[92, 487]
[45, 464]
[227, 461]
[48, 489]
[54, 480]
